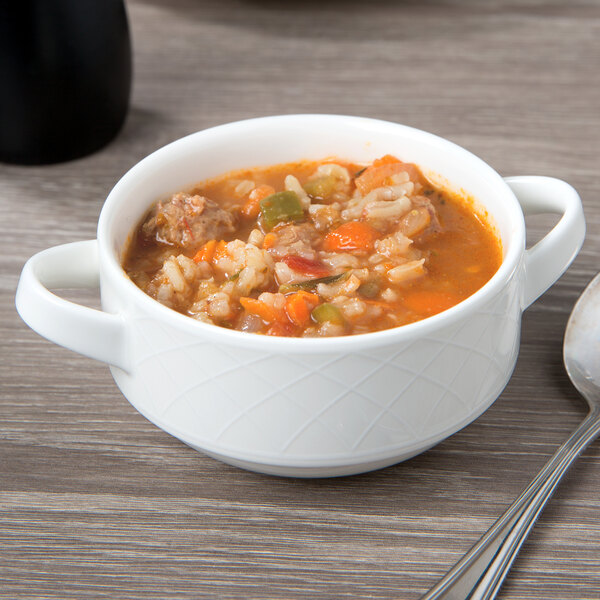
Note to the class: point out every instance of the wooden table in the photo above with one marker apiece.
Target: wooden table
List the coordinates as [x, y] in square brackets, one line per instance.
[95, 502]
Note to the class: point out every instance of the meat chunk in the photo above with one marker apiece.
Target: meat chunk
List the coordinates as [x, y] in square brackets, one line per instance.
[295, 239]
[188, 221]
[423, 216]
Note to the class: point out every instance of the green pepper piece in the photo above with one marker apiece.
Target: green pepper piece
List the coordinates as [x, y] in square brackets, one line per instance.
[312, 283]
[327, 312]
[286, 288]
[321, 187]
[369, 289]
[279, 207]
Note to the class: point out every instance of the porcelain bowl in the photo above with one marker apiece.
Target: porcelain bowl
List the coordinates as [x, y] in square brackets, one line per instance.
[304, 407]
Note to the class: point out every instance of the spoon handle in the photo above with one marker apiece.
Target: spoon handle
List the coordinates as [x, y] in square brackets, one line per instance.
[480, 573]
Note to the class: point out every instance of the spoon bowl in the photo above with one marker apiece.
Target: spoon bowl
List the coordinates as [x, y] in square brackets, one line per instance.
[581, 349]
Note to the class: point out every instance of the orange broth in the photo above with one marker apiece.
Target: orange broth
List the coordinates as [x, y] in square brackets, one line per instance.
[461, 253]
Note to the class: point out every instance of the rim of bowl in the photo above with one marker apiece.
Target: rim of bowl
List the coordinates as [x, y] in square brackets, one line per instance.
[356, 342]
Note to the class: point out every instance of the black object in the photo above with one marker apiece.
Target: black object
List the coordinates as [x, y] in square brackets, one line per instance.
[65, 77]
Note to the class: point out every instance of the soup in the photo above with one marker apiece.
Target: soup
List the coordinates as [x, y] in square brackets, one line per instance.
[313, 249]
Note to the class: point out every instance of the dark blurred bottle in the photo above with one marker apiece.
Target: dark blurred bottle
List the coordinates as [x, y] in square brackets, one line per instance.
[65, 77]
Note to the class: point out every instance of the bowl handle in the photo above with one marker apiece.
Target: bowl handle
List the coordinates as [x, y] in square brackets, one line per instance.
[85, 330]
[547, 260]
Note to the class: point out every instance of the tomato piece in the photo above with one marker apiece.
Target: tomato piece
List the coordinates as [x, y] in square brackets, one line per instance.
[306, 266]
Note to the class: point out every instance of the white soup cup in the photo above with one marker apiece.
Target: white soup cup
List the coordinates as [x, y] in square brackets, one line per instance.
[296, 406]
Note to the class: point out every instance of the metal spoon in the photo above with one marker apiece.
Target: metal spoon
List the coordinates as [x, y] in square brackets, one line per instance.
[480, 573]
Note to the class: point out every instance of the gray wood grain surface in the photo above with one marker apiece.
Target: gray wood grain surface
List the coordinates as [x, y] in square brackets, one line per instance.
[95, 502]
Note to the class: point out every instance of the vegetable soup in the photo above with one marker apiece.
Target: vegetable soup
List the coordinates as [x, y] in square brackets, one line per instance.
[313, 249]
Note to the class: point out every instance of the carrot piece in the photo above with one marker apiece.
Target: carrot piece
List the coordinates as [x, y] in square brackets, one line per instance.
[299, 305]
[375, 175]
[429, 303]
[266, 312]
[352, 236]
[310, 297]
[270, 240]
[220, 250]
[251, 207]
[387, 159]
[206, 253]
